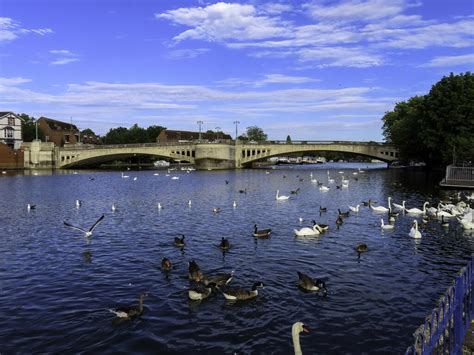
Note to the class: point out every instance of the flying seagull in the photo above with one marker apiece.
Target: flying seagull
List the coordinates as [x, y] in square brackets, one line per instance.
[88, 233]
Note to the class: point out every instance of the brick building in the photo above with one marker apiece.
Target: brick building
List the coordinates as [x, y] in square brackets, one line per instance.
[60, 133]
[170, 136]
[10, 158]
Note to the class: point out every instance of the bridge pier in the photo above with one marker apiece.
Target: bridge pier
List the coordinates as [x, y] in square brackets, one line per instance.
[215, 156]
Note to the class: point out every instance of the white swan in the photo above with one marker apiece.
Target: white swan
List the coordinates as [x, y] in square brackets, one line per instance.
[417, 210]
[381, 208]
[159, 206]
[282, 197]
[345, 184]
[234, 204]
[306, 231]
[323, 188]
[399, 207]
[414, 232]
[296, 329]
[354, 209]
[125, 176]
[386, 226]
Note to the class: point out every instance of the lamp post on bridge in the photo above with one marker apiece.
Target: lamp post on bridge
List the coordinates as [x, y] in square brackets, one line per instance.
[200, 124]
[236, 133]
[217, 133]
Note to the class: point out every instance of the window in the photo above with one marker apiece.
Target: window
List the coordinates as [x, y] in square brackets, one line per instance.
[11, 121]
[66, 138]
[8, 132]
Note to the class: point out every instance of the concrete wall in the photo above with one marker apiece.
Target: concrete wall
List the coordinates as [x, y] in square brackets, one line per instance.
[39, 155]
[215, 156]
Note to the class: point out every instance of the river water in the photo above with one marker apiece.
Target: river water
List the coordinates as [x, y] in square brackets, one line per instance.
[57, 287]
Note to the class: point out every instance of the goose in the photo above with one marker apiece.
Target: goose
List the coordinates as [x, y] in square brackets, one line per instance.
[30, 207]
[444, 223]
[306, 231]
[200, 293]
[309, 284]
[159, 206]
[263, 233]
[295, 192]
[166, 264]
[367, 203]
[78, 203]
[321, 227]
[224, 245]
[354, 209]
[323, 188]
[239, 294]
[386, 226]
[234, 204]
[91, 178]
[282, 197]
[216, 210]
[381, 208]
[343, 214]
[128, 312]
[361, 248]
[87, 232]
[194, 272]
[339, 221]
[179, 242]
[221, 279]
[323, 209]
[399, 207]
[414, 232]
[296, 329]
[244, 191]
[417, 210]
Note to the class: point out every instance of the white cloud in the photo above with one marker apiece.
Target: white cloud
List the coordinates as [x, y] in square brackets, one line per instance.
[446, 61]
[64, 61]
[63, 56]
[268, 79]
[13, 81]
[186, 53]
[224, 21]
[11, 30]
[340, 57]
[275, 8]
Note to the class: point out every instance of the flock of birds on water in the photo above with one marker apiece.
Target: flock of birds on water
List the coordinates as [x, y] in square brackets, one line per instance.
[205, 285]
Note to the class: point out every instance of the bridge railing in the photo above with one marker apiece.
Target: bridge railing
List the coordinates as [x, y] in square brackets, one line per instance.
[444, 330]
[460, 173]
[314, 142]
[112, 146]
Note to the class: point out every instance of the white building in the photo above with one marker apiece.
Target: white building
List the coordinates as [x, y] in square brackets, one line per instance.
[10, 130]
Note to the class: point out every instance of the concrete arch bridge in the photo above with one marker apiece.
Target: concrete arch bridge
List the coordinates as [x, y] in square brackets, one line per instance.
[227, 155]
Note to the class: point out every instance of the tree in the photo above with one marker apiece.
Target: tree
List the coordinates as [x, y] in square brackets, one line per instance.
[255, 133]
[28, 128]
[288, 139]
[433, 127]
[153, 133]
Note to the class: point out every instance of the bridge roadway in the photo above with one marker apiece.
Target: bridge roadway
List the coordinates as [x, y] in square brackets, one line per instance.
[221, 155]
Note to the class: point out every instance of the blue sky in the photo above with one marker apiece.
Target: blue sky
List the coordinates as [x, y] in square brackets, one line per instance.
[312, 69]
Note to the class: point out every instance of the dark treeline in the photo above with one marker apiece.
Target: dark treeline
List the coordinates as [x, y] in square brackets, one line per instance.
[437, 128]
[134, 134]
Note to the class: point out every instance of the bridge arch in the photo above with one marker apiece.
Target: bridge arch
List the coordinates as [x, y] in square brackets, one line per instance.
[249, 153]
[82, 156]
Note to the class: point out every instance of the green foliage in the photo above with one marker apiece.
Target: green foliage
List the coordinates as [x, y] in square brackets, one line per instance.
[433, 127]
[288, 139]
[255, 133]
[28, 128]
[134, 134]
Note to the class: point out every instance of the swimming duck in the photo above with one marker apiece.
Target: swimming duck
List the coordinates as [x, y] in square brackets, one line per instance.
[216, 210]
[221, 279]
[200, 293]
[128, 312]
[179, 242]
[224, 245]
[361, 248]
[321, 227]
[239, 294]
[30, 207]
[309, 284]
[166, 264]
[194, 272]
[263, 233]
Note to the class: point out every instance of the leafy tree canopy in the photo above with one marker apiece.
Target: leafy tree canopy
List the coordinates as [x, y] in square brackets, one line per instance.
[134, 134]
[255, 133]
[436, 128]
[28, 128]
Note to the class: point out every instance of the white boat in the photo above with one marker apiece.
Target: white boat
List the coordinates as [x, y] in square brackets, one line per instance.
[161, 164]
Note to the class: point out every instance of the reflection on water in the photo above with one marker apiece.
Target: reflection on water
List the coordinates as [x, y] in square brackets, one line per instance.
[57, 288]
